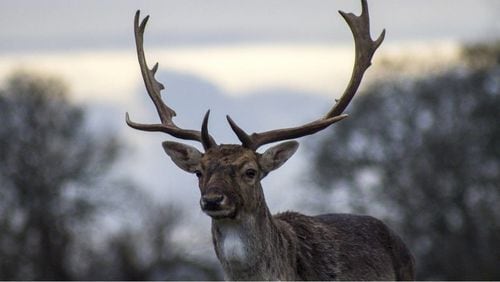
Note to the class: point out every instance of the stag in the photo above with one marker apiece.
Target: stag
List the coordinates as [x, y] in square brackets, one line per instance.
[251, 243]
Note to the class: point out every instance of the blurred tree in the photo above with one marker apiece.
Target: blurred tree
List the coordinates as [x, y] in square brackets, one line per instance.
[48, 160]
[425, 155]
[54, 183]
[143, 249]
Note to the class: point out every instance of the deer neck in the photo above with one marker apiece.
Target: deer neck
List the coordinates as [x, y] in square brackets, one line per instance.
[253, 247]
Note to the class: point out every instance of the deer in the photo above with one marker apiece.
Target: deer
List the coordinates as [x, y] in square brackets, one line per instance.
[250, 242]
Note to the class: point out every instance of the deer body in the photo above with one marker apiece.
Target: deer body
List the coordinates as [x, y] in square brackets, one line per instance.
[250, 243]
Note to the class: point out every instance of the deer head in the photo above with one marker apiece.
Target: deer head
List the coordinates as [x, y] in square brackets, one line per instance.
[229, 175]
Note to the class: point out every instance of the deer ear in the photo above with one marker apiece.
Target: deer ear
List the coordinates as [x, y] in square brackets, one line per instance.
[276, 156]
[184, 156]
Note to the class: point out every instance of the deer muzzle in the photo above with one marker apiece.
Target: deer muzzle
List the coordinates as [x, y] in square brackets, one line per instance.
[217, 205]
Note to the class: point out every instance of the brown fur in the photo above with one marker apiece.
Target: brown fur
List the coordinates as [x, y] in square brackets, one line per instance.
[251, 244]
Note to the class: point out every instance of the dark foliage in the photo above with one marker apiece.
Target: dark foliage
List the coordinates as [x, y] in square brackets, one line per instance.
[54, 188]
[46, 156]
[425, 155]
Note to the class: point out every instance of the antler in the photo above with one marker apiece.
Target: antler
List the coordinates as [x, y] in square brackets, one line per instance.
[365, 47]
[154, 88]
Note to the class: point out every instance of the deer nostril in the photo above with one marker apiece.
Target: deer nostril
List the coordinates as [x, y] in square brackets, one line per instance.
[211, 201]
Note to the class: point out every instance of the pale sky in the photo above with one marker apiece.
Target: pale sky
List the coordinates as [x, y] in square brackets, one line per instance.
[95, 24]
[242, 46]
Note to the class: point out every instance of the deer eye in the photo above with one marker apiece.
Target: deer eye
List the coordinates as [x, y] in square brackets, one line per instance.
[251, 173]
[198, 173]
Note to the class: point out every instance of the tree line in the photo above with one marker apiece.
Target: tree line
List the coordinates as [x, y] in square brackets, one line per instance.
[55, 186]
[424, 154]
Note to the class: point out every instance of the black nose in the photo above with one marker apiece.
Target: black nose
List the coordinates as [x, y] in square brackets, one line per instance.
[211, 201]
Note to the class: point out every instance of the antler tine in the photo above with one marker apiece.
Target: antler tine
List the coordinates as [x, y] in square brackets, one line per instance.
[154, 88]
[365, 47]
[207, 140]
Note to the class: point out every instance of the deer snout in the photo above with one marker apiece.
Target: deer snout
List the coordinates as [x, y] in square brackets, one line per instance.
[212, 201]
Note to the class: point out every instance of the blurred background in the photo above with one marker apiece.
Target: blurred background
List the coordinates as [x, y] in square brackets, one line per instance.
[84, 197]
